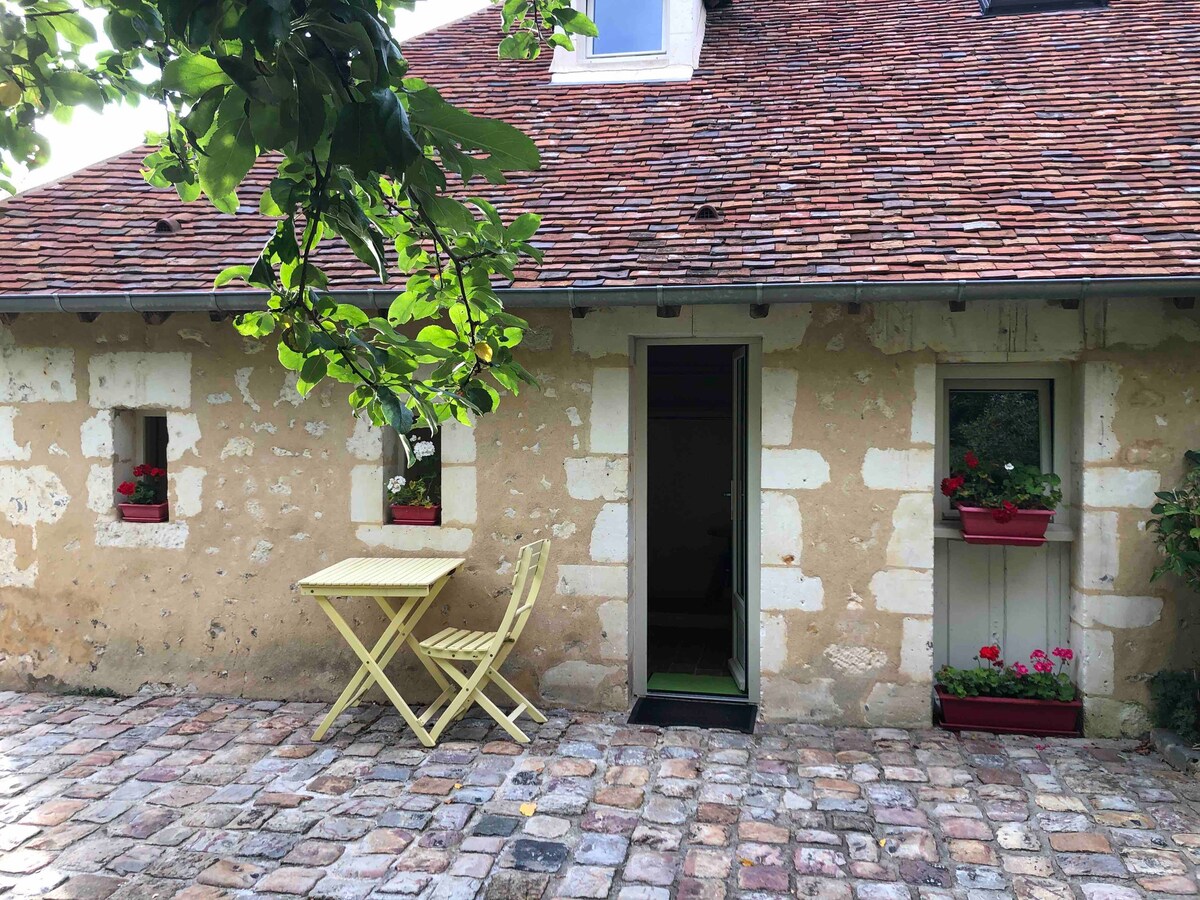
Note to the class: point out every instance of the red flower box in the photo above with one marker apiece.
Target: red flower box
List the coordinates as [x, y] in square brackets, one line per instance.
[1026, 528]
[415, 515]
[143, 512]
[1010, 715]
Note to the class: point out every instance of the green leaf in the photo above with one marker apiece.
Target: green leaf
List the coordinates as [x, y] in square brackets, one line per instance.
[373, 136]
[232, 272]
[523, 227]
[511, 149]
[193, 75]
[572, 21]
[230, 153]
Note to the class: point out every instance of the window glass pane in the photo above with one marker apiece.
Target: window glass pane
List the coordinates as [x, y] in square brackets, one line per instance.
[1000, 426]
[628, 26]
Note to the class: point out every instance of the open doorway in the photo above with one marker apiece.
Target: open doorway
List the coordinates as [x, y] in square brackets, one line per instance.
[695, 547]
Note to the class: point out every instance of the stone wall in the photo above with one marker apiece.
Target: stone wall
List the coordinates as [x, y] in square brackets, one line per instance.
[266, 487]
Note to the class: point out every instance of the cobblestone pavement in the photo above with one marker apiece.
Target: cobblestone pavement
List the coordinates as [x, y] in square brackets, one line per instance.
[200, 797]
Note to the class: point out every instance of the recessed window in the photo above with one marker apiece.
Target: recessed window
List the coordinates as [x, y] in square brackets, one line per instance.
[1000, 420]
[628, 27]
[413, 489]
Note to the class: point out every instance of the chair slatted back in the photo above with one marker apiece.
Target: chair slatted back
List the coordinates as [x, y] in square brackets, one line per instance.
[527, 583]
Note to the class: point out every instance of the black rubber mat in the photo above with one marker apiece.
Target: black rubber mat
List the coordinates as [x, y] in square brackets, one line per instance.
[697, 713]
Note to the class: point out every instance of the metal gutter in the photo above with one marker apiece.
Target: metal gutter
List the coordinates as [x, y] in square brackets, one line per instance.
[1071, 289]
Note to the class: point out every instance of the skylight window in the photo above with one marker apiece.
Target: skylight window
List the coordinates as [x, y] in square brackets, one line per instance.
[628, 27]
[1002, 7]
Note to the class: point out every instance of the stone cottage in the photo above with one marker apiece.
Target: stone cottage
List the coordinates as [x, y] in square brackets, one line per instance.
[792, 251]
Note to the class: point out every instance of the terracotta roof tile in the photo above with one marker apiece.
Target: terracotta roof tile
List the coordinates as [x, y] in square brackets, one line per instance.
[837, 140]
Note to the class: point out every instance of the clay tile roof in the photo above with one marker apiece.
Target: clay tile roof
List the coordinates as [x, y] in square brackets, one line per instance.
[837, 140]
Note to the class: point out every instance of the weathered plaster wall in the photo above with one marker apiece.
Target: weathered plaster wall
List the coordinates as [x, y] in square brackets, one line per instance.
[266, 487]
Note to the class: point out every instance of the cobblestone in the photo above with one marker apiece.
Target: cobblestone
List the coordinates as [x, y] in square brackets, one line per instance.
[203, 799]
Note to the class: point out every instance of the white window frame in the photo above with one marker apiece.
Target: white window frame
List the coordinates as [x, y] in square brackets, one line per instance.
[1053, 384]
[664, 35]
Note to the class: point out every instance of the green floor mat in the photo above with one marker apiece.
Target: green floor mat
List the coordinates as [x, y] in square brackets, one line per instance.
[721, 685]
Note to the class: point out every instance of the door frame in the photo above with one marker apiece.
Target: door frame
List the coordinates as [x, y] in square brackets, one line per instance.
[639, 481]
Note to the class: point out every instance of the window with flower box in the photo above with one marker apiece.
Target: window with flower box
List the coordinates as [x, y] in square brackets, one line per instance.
[140, 465]
[413, 485]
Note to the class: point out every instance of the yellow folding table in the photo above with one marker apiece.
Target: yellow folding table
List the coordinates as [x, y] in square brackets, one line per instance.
[413, 583]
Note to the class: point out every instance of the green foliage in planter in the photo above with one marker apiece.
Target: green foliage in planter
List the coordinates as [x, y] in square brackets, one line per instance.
[991, 678]
[1177, 526]
[1174, 704]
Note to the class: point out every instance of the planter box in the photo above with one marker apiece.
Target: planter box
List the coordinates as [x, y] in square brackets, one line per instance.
[143, 512]
[1026, 529]
[1009, 715]
[415, 515]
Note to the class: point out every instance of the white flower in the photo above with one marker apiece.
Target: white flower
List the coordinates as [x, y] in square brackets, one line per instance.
[1008, 467]
[395, 483]
[424, 449]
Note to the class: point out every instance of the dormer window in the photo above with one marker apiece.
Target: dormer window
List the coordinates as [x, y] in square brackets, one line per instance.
[628, 27]
[638, 40]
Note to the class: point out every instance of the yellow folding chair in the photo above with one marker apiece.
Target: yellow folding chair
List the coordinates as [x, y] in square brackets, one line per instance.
[487, 651]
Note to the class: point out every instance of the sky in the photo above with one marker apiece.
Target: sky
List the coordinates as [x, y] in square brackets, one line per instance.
[90, 136]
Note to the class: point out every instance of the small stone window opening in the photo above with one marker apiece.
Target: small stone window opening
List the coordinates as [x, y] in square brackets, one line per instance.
[139, 440]
[708, 215]
[413, 487]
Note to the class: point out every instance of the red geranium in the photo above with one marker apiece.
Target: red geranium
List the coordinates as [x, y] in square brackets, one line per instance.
[951, 485]
[157, 473]
[991, 653]
[139, 471]
[971, 459]
[126, 488]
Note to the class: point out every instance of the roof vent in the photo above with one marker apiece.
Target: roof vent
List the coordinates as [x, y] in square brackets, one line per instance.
[1005, 7]
[168, 226]
[708, 214]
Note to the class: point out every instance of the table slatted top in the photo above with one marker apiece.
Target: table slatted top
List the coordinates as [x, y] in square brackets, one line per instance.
[364, 573]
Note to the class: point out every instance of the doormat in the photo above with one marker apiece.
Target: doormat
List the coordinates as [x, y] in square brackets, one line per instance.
[721, 685]
[696, 713]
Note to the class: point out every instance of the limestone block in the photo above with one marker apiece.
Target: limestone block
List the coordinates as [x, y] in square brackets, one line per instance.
[183, 433]
[37, 375]
[366, 494]
[366, 441]
[790, 589]
[772, 644]
[788, 470]
[593, 581]
[1096, 555]
[898, 470]
[1104, 717]
[924, 411]
[101, 489]
[1095, 659]
[1101, 382]
[607, 331]
[9, 448]
[911, 542]
[458, 443]
[411, 538]
[784, 329]
[1112, 487]
[855, 660]
[142, 535]
[785, 700]
[578, 684]
[610, 534]
[782, 530]
[459, 491]
[916, 649]
[31, 494]
[186, 486]
[12, 575]
[903, 591]
[597, 478]
[614, 629]
[899, 705]
[1112, 611]
[779, 387]
[609, 420]
[138, 380]
[96, 435]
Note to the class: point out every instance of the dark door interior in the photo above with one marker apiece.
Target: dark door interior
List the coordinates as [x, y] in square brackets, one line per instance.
[691, 511]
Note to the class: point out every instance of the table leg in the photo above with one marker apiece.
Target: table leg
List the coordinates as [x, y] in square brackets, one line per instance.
[372, 666]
